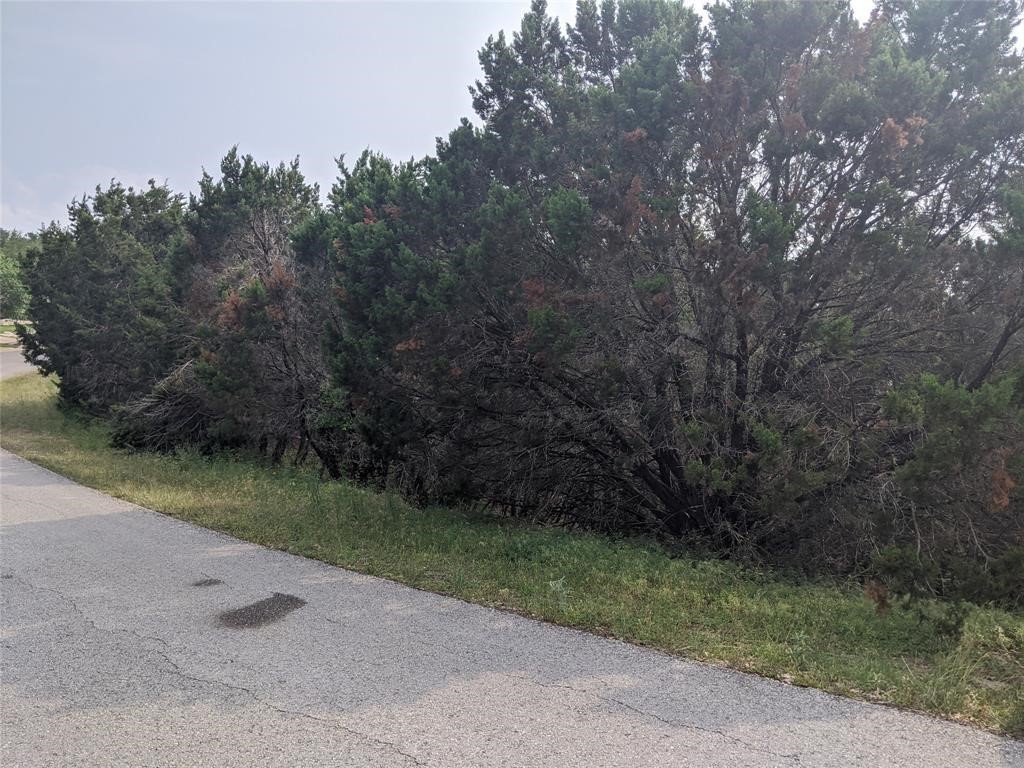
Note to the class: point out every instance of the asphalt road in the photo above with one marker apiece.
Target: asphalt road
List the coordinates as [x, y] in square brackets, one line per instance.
[12, 363]
[132, 639]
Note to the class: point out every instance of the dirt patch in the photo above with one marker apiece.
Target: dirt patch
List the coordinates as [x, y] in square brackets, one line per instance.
[207, 583]
[265, 611]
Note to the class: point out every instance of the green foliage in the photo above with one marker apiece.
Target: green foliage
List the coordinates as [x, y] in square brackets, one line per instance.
[18, 245]
[836, 334]
[964, 464]
[769, 441]
[568, 216]
[16, 249]
[246, 192]
[769, 227]
[652, 283]
[906, 573]
[550, 331]
[1004, 581]
[13, 294]
[101, 306]
[903, 571]
[959, 428]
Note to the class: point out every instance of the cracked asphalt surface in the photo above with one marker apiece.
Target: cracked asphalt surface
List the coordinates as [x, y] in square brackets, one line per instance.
[114, 654]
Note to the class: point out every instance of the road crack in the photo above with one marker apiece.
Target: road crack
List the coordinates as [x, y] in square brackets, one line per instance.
[793, 758]
[177, 670]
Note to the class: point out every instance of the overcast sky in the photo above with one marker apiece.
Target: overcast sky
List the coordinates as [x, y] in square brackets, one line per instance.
[92, 91]
[139, 90]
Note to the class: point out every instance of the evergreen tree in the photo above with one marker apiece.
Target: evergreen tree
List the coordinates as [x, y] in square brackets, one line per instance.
[253, 371]
[672, 279]
[103, 319]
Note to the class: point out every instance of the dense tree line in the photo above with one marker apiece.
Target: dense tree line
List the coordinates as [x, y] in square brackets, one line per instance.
[754, 283]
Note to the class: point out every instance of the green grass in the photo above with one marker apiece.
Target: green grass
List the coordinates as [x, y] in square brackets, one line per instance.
[8, 328]
[822, 635]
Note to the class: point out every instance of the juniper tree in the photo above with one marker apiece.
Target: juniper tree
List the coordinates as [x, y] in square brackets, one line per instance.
[681, 266]
[254, 369]
[103, 318]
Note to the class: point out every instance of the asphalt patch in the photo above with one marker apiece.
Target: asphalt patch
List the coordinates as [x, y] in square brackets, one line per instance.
[262, 612]
[207, 583]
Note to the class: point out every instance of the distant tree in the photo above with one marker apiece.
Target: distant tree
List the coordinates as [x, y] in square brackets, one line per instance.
[14, 250]
[18, 244]
[13, 294]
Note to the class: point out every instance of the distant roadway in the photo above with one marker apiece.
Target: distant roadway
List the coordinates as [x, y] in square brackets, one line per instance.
[12, 363]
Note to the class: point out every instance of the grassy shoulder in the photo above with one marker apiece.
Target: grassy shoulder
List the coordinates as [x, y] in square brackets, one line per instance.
[825, 636]
[7, 337]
